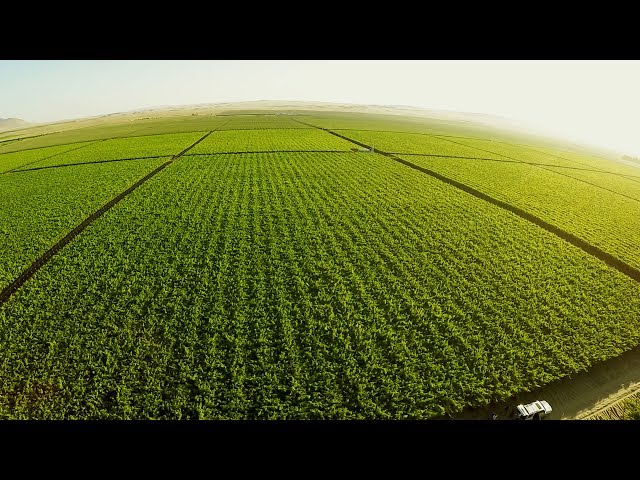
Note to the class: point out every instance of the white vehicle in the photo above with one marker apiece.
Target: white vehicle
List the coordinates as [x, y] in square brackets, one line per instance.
[534, 410]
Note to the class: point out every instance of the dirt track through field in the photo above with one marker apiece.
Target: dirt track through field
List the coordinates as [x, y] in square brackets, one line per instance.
[88, 163]
[609, 259]
[44, 258]
[545, 167]
[50, 156]
[578, 396]
[506, 160]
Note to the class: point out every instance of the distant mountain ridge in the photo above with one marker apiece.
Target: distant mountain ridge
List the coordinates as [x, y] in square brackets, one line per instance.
[11, 123]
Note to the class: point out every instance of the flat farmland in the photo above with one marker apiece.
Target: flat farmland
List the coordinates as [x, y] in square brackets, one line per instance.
[25, 158]
[148, 146]
[272, 272]
[40, 207]
[271, 140]
[415, 143]
[613, 223]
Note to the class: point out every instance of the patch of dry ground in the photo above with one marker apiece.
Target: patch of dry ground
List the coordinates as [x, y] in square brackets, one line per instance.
[580, 396]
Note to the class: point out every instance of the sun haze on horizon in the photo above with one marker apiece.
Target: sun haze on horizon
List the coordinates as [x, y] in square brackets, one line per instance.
[596, 102]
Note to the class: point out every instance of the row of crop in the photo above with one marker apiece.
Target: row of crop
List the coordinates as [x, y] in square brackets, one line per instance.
[599, 172]
[304, 286]
[516, 152]
[271, 140]
[69, 134]
[395, 142]
[615, 183]
[141, 127]
[604, 219]
[123, 148]
[590, 161]
[38, 209]
[605, 175]
[24, 159]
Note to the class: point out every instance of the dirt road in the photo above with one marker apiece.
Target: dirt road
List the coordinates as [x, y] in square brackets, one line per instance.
[578, 396]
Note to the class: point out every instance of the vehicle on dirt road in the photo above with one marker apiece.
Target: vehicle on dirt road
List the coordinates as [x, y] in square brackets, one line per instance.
[533, 411]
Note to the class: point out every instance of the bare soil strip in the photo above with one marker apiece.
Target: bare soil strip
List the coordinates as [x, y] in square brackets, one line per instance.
[35, 266]
[87, 163]
[613, 411]
[50, 156]
[137, 131]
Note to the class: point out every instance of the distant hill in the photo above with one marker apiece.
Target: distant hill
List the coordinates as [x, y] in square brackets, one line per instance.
[11, 123]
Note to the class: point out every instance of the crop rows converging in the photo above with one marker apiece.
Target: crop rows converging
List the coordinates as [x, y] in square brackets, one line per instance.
[515, 152]
[271, 140]
[304, 285]
[121, 148]
[334, 284]
[23, 159]
[249, 122]
[609, 221]
[415, 143]
[622, 185]
[594, 162]
[40, 207]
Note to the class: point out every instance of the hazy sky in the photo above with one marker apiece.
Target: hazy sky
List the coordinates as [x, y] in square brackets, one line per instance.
[590, 101]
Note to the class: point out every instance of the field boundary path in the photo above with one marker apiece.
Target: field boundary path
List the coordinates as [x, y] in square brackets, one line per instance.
[46, 256]
[607, 258]
[547, 169]
[89, 163]
[50, 156]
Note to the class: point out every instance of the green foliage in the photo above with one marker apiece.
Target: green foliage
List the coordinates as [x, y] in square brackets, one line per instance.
[617, 183]
[271, 140]
[602, 218]
[393, 142]
[249, 122]
[631, 409]
[40, 207]
[517, 152]
[339, 285]
[26, 158]
[593, 162]
[124, 148]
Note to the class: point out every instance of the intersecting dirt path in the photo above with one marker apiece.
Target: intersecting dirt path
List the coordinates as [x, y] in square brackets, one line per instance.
[579, 395]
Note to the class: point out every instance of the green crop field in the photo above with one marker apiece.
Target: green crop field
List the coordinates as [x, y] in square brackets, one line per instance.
[298, 278]
[38, 208]
[415, 143]
[271, 140]
[120, 149]
[23, 159]
[612, 222]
